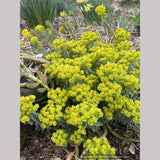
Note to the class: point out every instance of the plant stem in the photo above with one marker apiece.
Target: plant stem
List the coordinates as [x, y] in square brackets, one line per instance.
[30, 57]
[36, 80]
[97, 31]
[119, 137]
[76, 152]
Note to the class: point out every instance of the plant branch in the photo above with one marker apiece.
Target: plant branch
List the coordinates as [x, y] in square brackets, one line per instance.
[119, 137]
[30, 57]
[76, 152]
[36, 80]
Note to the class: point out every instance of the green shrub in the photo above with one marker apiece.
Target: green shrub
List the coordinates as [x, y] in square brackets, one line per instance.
[91, 83]
[35, 12]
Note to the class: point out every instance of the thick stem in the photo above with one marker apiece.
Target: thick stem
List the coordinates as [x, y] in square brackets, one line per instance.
[97, 31]
[76, 152]
[30, 57]
[36, 80]
[119, 137]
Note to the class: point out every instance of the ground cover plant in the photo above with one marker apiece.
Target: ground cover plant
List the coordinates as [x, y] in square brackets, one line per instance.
[87, 82]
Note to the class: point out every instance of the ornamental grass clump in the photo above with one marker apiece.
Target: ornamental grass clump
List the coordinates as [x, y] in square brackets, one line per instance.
[93, 82]
[37, 12]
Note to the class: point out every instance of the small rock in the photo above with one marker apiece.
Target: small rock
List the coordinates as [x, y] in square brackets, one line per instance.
[132, 149]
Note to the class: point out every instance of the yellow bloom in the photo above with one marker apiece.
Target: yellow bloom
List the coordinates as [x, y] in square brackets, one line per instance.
[26, 33]
[24, 119]
[62, 29]
[34, 40]
[63, 14]
[101, 11]
[39, 28]
[88, 27]
[22, 43]
[88, 7]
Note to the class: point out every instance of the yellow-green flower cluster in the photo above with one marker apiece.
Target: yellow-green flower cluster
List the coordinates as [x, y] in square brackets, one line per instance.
[65, 71]
[39, 28]
[79, 91]
[22, 43]
[114, 73]
[91, 80]
[89, 36]
[136, 73]
[120, 39]
[58, 43]
[85, 61]
[27, 107]
[108, 74]
[108, 112]
[62, 29]
[129, 57]
[121, 35]
[88, 28]
[34, 40]
[60, 138]
[50, 113]
[88, 7]
[58, 96]
[63, 14]
[124, 45]
[72, 48]
[101, 11]
[99, 146]
[82, 113]
[76, 48]
[82, 92]
[130, 81]
[109, 90]
[78, 136]
[113, 77]
[128, 108]
[26, 34]
[131, 108]
[99, 80]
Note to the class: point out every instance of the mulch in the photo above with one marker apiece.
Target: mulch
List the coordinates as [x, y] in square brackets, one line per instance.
[39, 146]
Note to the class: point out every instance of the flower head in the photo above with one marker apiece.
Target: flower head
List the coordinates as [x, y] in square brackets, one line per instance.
[88, 7]
[34, 40]
[22, 43]
[39, 28]
[26, 33]
[101, 11]
[63, 14]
